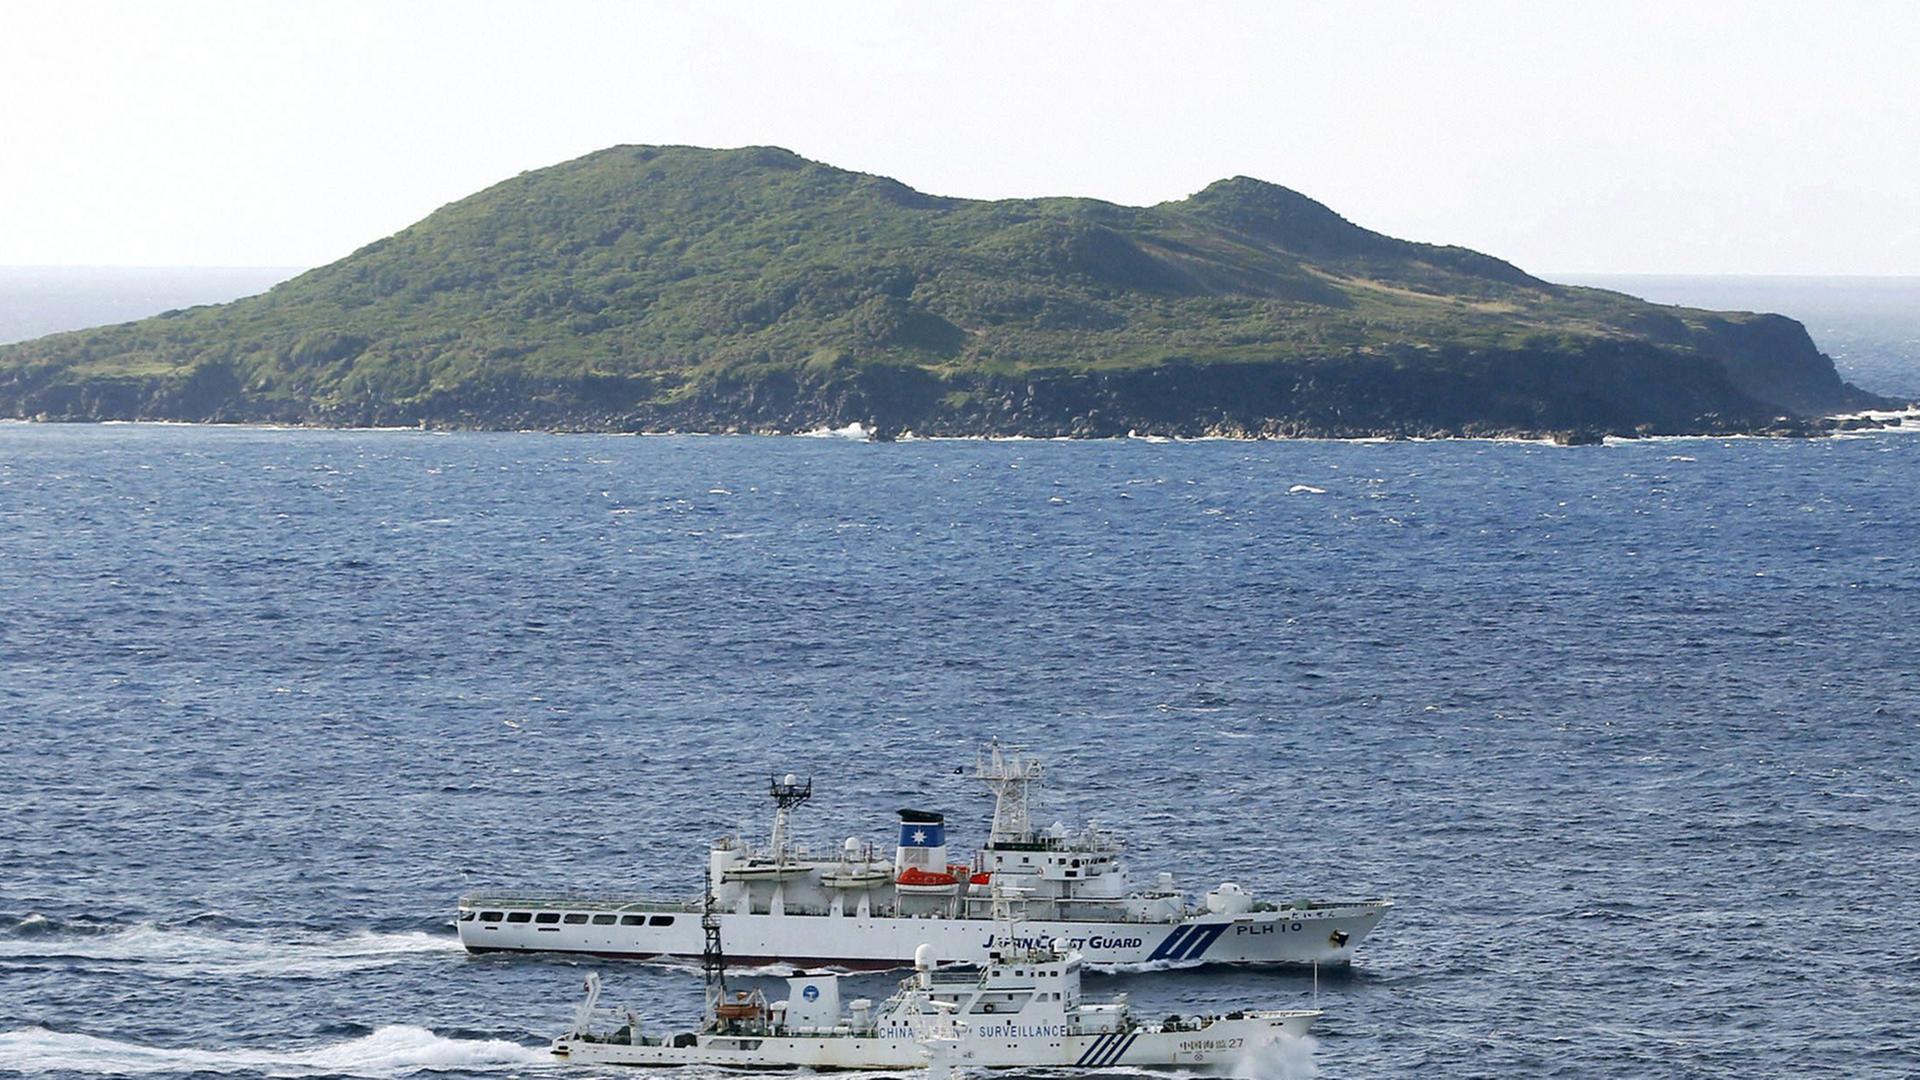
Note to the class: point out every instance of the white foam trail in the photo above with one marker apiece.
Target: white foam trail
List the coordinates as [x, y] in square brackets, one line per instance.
[1286, 1058]
[781, 971]
[396, 1050]
[1306, 489]
[156, 950]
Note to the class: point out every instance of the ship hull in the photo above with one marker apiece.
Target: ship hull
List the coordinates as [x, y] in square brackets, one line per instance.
[1319, 934]
[1003, 1045]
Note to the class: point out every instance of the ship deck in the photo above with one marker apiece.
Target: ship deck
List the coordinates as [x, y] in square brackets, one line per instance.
[613, 902]
[528, 901]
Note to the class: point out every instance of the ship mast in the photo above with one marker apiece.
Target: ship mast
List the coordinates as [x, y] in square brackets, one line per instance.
[788, 792]
[713, 962]
[1009, 775]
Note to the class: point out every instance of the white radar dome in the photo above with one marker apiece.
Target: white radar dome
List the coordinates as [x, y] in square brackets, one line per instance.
[851, 847]
[923, 958]
[1229, 899]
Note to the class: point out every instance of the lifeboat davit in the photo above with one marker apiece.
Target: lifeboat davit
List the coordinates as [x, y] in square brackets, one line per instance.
[742, 1007]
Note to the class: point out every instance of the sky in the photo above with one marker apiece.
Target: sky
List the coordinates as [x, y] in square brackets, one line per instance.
[1685, 136]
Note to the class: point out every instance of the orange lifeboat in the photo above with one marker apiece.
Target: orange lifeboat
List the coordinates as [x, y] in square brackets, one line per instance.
[931, 882]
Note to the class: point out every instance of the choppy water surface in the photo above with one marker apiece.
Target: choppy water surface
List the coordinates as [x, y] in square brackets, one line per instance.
[1630, 732]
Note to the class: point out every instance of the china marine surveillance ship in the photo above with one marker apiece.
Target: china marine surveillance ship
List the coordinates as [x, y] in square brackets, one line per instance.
[1021, 1009]
[853, 909]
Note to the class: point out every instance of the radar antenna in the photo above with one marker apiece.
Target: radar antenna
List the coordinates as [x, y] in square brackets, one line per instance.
[1009, 775]
[788, 792]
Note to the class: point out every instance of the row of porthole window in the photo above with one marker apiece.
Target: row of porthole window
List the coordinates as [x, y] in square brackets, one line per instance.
[574, 918]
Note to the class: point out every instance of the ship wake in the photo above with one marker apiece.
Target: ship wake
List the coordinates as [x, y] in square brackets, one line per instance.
[1286, 1058]
[182, 952]
[397, 1050]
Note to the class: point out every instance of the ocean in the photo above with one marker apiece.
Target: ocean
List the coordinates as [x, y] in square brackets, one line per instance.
[1629, 732]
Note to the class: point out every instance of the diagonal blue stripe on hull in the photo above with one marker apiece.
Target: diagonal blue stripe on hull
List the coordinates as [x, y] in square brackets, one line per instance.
[1199, 941]
[1099, 1045]
[1115, 1051]
[1171, 942]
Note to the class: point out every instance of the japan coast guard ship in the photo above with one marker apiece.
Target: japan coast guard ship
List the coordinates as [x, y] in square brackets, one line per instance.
[1021, 1009]
[853, 910]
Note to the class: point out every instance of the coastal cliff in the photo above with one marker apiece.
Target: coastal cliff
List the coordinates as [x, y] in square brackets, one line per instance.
[673, 288]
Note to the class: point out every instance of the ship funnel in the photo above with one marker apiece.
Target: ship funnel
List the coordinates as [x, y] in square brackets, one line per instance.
[923, 843]
[813, 1002]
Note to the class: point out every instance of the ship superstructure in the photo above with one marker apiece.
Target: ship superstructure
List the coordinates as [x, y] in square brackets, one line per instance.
[1022, 1008]
[854, 908]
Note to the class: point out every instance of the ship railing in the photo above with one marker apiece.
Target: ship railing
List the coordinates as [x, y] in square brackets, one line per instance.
[1325, 904]
[1109, 909]
[595, 901]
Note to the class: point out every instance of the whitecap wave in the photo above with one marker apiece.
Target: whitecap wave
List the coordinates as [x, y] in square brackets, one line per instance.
[396, 1050]
[1306, 489]
[156, 950]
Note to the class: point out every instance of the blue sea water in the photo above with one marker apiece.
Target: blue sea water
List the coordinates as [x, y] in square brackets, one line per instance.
[1630, 732]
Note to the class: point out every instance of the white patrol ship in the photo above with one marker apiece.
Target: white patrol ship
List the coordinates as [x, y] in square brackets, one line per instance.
[854, 910]
[1022, 1009]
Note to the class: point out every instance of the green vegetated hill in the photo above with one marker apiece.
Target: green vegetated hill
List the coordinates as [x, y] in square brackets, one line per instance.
[674, 288]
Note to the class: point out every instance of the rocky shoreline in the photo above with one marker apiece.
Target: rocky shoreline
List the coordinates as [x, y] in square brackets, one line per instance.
[1613, 389]
[636, 289]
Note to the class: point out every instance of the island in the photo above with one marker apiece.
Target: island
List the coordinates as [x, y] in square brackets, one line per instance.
[658, 289]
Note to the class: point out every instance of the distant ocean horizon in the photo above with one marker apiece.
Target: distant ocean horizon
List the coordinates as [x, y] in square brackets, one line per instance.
[40, 300]
[1869, 325]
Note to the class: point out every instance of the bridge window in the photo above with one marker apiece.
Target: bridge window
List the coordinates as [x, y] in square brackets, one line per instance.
[575, 919]
[489, 916]
[548, 917]
[603, 920]
[519, 916]
[660, 920]
[466, 916]
[633, 920]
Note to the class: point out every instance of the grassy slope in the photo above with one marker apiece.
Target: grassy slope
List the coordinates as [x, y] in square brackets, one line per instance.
[650, 272]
